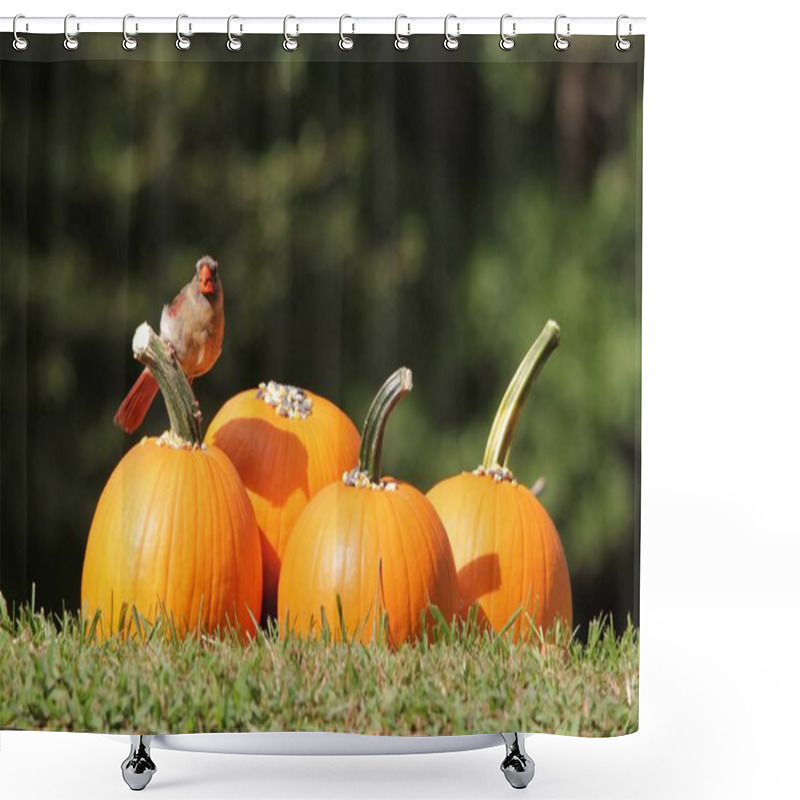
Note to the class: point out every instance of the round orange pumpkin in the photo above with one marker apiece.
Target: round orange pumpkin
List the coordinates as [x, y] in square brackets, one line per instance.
[174, 533]
[368, 555]
[287, 444]
[507, 550]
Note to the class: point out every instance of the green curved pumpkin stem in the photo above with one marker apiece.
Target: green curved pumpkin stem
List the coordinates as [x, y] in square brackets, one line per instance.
[397, 386]
[184, 412]
[498, 445]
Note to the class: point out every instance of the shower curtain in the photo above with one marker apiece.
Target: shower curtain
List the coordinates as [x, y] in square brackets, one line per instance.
[293, 503]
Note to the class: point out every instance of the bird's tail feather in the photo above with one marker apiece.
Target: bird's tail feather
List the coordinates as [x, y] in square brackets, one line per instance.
[135, 406]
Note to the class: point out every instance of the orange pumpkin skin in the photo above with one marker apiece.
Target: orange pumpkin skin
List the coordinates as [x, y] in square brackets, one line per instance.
[174, 530]
[283, 462]
[507, 552]
[375, 549]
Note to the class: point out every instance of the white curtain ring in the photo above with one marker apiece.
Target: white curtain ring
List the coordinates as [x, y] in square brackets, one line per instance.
[346, 42]
[507, 42]
[128, 42]
[451, 42]
[234, 42]
[70, 42]
[401, 42]
[289, 42]
[560, 42]
[182, 42]
[623, 44]
[20, 42]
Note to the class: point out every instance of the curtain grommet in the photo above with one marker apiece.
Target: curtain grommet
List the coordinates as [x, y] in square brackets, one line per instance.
[622, 44]
[182, 42]
[129, 42]
[234, 43]
[401, 42]
[346, 43]
[71, 42]
[452, 42]
[290, 43]
[20, 43]
[560, 43]
[507, 42]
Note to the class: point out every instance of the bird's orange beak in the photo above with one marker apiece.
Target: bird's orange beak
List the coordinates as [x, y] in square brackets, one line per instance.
[206, 280]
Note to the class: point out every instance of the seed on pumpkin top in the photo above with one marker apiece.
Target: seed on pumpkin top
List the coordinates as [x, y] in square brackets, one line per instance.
[361, 480]
[288, 401]
[499, 474]
[176, 442]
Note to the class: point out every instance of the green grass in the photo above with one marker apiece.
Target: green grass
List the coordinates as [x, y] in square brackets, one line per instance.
[52, 677]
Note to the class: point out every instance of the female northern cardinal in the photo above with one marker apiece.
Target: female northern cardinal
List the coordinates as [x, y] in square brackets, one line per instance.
[193, 325]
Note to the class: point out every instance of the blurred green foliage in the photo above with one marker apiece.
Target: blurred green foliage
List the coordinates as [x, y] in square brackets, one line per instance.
[367, 210]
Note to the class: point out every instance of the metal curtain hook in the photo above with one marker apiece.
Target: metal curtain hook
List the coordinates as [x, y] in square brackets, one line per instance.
[20, 42]
[70, 42]
[182, 42]
[506, 41]
[560, 42]
[451, 42]
[128, 42]
[234, 42]
[346, 42]
[622, 43]
[401, 42]
[290, 43]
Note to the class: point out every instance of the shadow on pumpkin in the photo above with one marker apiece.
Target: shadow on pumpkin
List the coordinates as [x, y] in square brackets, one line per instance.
[481, 576]
[241, 438]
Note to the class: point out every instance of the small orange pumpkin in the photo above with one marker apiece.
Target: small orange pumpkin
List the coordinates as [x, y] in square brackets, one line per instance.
[368, 550]
[287, 444]
[174, 532]
[506, 547]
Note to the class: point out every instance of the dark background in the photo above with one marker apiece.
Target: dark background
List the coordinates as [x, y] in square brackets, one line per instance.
[368, 210]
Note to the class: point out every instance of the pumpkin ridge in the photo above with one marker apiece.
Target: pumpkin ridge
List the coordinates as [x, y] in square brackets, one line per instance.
[184, 484]
[362, 568]
[229, 507]
[237, 513]
[214, 513]
[287, 460]
[277, 503]
[498, 576]
[410, 591]
[317, 551]
[545, 549]
[371, 527]
[478, 545]
[195, 606]
[158, 578]
[525, 602]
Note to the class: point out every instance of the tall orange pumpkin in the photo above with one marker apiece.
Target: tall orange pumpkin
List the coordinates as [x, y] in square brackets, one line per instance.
[368, 553]
[174, 531]
[287, 444]
[506, 547]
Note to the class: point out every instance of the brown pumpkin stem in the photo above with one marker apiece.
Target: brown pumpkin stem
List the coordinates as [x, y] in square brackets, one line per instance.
[397, 386]
[184, 414]
[498, 446]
